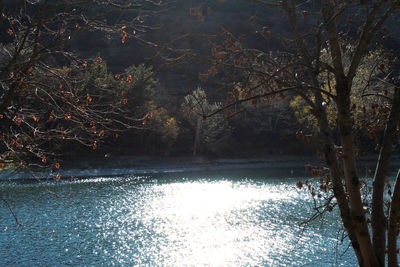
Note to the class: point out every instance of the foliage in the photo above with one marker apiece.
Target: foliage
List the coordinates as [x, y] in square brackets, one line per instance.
[214, 131]
[367, 83]
[49, 95]
[143, 84]
[164, 125]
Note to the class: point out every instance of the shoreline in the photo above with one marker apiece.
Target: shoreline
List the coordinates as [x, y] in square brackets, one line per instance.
[147, 165]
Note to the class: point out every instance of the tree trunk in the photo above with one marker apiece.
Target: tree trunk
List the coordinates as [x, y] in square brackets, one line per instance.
[351, 177]
[393, 231]
[345, 125]
[336, 177]
[379, 223]
[197, 136]
[340, 194]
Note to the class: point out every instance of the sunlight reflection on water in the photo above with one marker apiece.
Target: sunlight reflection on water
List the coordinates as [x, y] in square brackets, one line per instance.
[211, 223]
[186, 222]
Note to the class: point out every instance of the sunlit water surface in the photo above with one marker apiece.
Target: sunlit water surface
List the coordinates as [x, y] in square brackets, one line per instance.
[241, 219]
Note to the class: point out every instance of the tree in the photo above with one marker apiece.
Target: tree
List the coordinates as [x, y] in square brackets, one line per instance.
[210, 134]
[49, 93]
[321, 64]
[158, 130]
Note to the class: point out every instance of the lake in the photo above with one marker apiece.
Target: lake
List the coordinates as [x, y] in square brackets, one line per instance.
[239, 217]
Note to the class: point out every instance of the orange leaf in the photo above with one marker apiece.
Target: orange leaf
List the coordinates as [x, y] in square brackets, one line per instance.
[68, 117]
[144, 122]
[44, 160]
[36, 119]
[129, 79]
[117, 76]
[57, 165]
[125, 101]
[84, 63]
[94, 145]
[10, 32]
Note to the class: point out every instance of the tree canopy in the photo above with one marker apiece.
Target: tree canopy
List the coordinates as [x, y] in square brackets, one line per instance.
[49, 93]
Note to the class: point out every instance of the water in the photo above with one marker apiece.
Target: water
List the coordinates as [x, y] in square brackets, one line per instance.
[177, 219]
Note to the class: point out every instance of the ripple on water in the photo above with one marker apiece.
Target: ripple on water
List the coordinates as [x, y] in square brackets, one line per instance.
[184, 222]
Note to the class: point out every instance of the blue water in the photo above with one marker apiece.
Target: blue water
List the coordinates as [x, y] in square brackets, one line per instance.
[198, 218]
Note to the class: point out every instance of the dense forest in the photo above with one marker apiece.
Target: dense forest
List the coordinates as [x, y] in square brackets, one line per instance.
[164, 89]
[256, 131]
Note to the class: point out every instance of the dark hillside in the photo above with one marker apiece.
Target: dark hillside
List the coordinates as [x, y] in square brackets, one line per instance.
[178, 81]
